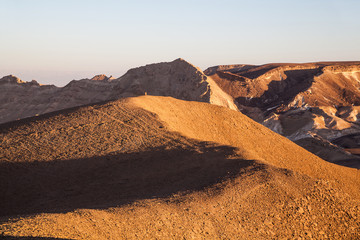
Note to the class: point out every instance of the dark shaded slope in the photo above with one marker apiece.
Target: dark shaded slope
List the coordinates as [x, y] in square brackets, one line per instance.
[115, 179]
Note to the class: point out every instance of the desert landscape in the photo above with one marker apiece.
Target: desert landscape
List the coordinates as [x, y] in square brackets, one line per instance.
[168, 151]
[179, 120]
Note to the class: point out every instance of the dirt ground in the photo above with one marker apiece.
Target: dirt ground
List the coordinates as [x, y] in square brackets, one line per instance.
[161, 168]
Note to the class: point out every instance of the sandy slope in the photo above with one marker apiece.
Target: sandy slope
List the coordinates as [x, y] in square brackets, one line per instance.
[194, 120]
[119, 171]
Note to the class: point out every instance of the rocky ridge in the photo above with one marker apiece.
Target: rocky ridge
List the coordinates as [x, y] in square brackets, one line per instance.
[179, 79]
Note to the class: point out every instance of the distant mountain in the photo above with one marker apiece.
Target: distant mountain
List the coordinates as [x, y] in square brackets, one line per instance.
[179, 79]
[316, 102]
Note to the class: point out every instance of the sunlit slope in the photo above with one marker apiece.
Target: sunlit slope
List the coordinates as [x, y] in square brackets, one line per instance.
[254, 141]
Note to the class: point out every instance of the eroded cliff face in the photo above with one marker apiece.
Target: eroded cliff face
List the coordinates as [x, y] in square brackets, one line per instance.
[178, 79]
[20, 99]
[299, 101]
[270, 85]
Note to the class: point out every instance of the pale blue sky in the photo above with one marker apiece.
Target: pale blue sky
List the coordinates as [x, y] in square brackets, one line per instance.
[55, 41]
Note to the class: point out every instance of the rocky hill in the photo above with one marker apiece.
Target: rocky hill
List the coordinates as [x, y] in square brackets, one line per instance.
[152, 167]
[307, 103]
[178, 79]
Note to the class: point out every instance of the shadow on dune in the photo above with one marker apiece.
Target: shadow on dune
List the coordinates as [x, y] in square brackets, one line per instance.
[31, 238]
[113, 180]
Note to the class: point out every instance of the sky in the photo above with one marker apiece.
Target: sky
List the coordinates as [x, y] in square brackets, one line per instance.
[56, 41]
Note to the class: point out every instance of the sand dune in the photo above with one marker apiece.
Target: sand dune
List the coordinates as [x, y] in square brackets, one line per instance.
[156, 167]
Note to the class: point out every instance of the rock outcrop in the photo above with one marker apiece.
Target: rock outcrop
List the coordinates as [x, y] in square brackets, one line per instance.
[178, 79]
